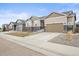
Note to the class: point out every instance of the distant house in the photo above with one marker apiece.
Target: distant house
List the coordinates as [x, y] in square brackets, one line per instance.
[5, 27]
[20, 25]
[29, 25]
[12, 26]
[42, 24]
[38, 23]
[60, 22]
[35, 23]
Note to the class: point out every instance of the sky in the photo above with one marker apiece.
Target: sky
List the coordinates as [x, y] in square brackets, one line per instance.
[10, 12]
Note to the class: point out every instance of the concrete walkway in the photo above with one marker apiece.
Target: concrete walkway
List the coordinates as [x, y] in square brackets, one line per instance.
[39, 42]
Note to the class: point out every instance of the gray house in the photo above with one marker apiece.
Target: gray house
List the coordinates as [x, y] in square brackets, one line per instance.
[5, 27]
[20, 25]
[12, 26]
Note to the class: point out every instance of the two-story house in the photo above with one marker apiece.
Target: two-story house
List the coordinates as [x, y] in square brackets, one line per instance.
[35, 23]
[12, 26]
[20, 25]
[60, 22]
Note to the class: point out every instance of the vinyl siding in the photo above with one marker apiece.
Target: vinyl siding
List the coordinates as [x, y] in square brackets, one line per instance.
[61, 19]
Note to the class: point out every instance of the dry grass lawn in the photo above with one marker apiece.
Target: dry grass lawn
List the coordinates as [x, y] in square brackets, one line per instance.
[21, 34]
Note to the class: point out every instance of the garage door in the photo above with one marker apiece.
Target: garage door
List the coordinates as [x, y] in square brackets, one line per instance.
[19, 28]
[56, 27]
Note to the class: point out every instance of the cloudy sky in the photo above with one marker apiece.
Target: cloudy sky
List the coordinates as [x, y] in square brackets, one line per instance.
[13, 11]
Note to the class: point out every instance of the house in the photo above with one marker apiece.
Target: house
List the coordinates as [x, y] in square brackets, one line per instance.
[12, 26]
[77, 27]
[71, 18]
[35, 23]
[60, 22]
[5, 27]
[28, 24]
[20, 25]
[42, 24]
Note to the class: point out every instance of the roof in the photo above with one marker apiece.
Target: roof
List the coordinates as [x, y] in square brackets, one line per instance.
[69, 13]
[23, 21]
[55, 14]
[33, 18]
[13, 23]
[5, 24]
[36, 18]
[43, 17]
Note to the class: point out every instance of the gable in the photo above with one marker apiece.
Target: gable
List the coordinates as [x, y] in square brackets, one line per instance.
[12, 23]
[55, 15]
[18, 21]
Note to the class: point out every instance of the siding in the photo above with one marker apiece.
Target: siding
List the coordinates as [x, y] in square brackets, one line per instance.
[71, 20]
[61, 19]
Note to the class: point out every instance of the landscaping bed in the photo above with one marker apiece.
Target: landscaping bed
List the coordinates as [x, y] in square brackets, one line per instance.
[61, 39]
[21, 34]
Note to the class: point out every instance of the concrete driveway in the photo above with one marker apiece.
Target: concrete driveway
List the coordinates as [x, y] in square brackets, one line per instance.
[44, 36]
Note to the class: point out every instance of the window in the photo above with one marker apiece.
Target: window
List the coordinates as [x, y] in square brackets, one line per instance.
[35, 24]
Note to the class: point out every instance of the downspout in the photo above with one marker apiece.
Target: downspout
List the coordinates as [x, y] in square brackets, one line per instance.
[74, 25]
[67, 25]
[32, 26]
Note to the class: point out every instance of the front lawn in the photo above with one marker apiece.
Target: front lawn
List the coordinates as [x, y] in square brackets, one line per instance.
[21, 34]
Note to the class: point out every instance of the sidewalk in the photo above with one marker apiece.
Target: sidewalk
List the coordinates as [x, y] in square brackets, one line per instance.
[42, 45]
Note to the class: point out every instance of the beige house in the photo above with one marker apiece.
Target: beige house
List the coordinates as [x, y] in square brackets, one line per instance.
[60, 22]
